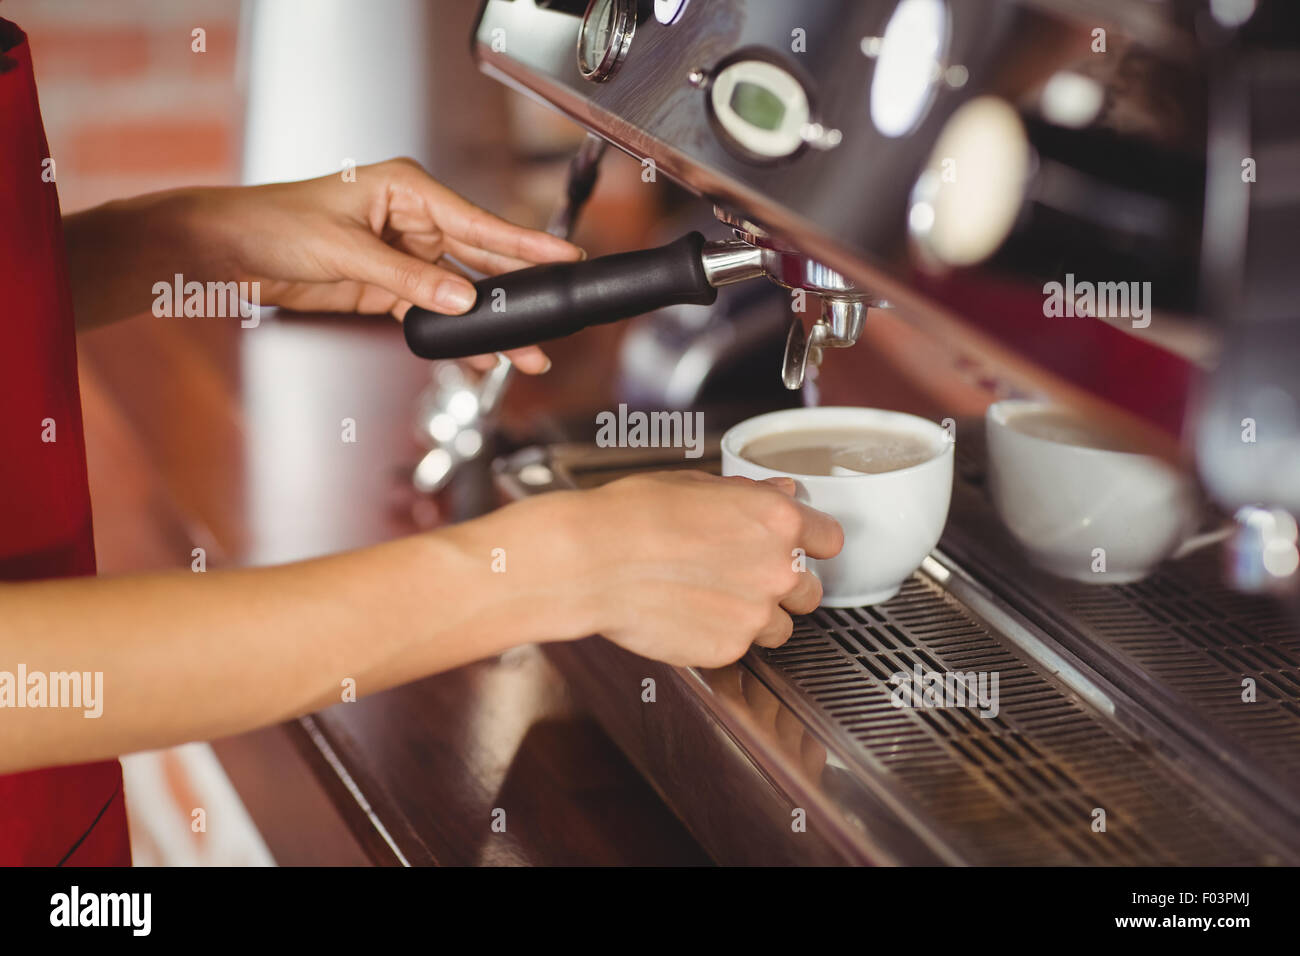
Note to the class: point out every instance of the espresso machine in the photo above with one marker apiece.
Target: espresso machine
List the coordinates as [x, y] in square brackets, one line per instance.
[941, 162]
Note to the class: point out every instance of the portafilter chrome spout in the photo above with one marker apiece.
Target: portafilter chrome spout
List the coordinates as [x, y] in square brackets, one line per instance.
[843, 305]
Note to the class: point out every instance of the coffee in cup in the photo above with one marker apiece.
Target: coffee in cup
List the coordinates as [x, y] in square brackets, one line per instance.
[885, 476]
[838, 451]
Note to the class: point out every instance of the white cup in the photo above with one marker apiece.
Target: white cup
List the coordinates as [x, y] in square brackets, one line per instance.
[891, 520]
[1090, 514]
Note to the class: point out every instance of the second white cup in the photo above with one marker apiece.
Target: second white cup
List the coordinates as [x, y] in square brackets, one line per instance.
[1084, 510]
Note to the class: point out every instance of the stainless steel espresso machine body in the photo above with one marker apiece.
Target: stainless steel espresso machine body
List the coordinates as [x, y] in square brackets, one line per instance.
[827, 134]
[944, 159]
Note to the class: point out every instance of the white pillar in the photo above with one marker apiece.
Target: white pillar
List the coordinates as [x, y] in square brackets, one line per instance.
[331, 81]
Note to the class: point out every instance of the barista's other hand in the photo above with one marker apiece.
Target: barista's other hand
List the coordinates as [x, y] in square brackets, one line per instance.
[686, 567]
[371, 244]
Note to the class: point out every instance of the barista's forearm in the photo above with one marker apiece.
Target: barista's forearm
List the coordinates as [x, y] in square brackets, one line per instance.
[118, 251]
[187, 656]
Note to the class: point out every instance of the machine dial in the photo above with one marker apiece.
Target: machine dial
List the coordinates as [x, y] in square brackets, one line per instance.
[604, 37]
[762, 108]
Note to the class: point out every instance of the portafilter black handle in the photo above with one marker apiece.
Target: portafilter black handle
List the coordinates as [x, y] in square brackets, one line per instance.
[557, 299]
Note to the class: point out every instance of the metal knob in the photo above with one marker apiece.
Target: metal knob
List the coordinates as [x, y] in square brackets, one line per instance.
[1263, 552]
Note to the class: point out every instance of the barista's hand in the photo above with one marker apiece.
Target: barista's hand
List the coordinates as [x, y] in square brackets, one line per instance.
[689, 568]
[681, 567]
[373, 245]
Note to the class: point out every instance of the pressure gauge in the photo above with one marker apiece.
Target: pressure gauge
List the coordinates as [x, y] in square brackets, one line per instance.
[762, 108]
[604, 37]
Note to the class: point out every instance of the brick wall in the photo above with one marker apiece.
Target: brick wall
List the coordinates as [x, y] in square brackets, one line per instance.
[129, 107]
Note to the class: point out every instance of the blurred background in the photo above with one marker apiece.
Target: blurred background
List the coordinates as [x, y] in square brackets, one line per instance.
[199, 436]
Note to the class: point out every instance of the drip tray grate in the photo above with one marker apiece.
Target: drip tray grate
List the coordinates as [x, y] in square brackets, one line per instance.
[1201, 641]
[1021, 787]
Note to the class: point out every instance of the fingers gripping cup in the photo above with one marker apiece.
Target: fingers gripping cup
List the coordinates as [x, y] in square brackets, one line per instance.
[885, 476]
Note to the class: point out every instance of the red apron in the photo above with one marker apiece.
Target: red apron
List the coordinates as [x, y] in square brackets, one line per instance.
[72, 815]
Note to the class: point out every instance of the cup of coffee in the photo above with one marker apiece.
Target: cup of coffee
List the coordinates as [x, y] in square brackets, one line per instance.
[885, 476]
[1084, 503]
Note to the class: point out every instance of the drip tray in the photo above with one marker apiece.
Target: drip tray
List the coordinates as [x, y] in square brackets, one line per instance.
[1021, 787]
[1108, 744]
